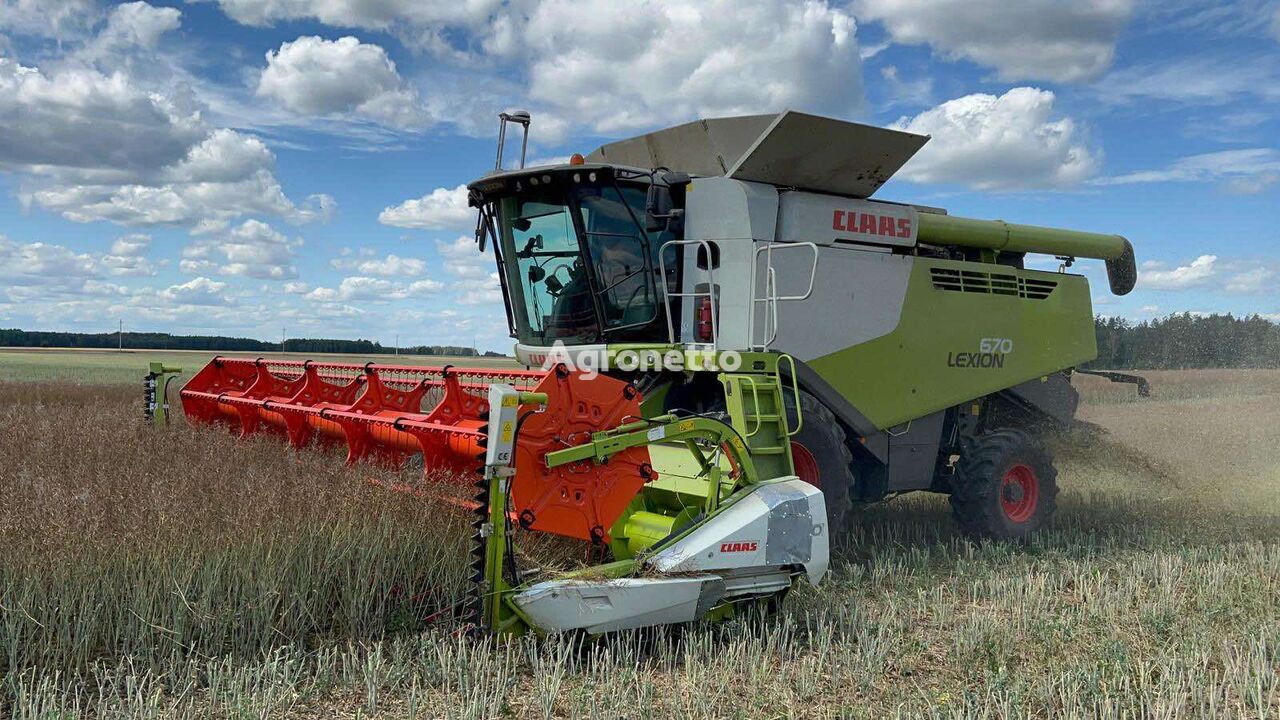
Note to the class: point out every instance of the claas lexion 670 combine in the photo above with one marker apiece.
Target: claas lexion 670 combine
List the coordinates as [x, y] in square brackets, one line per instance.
[729, 347]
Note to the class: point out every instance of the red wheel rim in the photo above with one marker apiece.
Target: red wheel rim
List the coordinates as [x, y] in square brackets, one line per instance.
[1020, 493]
[806, 467]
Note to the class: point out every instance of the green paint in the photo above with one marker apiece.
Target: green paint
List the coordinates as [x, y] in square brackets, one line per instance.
[936, 358]
[156, 397]
[998, 235]
[757, 411]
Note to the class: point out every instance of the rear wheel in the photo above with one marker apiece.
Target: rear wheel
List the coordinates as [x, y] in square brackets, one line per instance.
[822, 458]
[1005, 487]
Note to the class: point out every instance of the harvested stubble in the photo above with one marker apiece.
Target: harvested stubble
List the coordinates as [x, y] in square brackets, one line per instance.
[1154, 596]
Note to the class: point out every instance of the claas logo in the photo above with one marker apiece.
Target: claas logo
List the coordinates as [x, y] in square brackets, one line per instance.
[731, 547]
[870, 224]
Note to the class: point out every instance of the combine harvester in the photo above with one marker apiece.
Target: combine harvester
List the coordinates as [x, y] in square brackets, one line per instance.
[737, 346]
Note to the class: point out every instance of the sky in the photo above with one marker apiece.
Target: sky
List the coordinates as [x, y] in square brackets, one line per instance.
[259, 167]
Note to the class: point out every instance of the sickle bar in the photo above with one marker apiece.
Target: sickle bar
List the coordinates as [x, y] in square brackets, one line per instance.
[387, 413]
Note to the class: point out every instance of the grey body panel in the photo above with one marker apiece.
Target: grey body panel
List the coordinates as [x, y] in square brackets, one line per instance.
[1051, 395]
[720, 209]
[790, 526]
[733, 216]
[702, 147]
[789, 149]
[913, 453]
[811, 152]
[824, 219]
[600, 606]
[858, 295]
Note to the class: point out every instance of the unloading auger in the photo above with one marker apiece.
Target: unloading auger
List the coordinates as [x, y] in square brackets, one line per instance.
[737, 347]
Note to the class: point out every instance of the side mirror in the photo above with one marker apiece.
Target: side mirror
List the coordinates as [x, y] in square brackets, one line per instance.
[657, 208]
[664, 204]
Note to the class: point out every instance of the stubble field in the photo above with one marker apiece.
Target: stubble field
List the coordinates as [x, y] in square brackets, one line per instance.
[186, 574]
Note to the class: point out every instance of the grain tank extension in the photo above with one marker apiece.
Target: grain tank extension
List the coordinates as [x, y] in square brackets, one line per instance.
[728, 346]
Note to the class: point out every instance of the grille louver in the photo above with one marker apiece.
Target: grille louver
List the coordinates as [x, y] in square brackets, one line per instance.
[972, 281]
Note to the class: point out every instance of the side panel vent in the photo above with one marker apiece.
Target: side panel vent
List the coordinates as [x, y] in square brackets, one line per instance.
[972, 281]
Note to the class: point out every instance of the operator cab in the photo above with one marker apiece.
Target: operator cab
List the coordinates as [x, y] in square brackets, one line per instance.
[578, 249]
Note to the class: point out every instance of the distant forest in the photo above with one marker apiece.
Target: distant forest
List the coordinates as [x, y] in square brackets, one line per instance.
[1174, 342]
[216, 343]
[1188, 341]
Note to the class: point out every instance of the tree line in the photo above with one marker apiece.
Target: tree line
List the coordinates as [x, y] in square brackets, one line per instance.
[1188, 341]
[1175, 342]
[214, 343]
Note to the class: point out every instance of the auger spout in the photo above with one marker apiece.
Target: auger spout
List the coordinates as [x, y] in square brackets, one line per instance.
[938, 229]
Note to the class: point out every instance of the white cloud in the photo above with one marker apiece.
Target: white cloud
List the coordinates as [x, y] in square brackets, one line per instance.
[1250, 281]
[131, 245]
[1012, 141]
[200, 291]
[1248, 171]
[58, 19]
[373, 289]
[610, 67]
[463, 259]
[633, 67]
[1201, 79]
[138, 24]
[1199, 272]
[314, 76]
[1024, 40]
[84, 120]
[254, 249]
[476, 282]
[101, 147]
[1207, 18]
[390, 266]
[487, 292]
[36, 272]
[441, 209]
[126, 256]
[392, 15]
[41, 263]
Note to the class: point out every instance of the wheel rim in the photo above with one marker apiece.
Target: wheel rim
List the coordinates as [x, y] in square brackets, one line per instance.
[806, 466]
[1019, 493]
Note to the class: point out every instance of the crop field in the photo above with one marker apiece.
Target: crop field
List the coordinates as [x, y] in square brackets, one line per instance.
[183, 573]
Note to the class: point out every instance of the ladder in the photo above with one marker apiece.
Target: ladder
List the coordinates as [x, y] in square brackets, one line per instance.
[757, 410]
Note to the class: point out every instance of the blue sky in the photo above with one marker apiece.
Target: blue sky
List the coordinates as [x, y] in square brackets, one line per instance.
[243, 166]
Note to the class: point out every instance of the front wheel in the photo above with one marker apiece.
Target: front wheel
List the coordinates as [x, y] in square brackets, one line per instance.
[1005, 487]
[821, 457]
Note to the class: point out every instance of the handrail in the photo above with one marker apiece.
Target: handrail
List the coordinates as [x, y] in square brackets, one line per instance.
[795, 388]
[711, 289]
[771, 298]
[755, 406]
